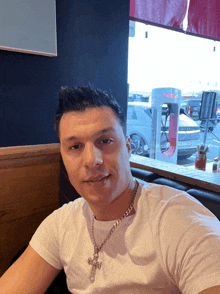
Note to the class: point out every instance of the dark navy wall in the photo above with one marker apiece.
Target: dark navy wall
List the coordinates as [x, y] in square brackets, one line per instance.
[92, 45]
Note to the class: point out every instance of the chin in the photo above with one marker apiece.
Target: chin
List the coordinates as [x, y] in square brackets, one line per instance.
[98, 197]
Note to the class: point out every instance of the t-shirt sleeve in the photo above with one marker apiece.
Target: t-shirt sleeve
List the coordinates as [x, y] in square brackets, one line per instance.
[189, 241]
[45, 240]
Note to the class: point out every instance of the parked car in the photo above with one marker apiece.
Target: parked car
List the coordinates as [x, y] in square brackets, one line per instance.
[139, 118]
[192, 109]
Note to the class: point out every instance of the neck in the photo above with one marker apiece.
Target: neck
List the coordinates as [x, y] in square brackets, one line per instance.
[117, 207]
[113, 216]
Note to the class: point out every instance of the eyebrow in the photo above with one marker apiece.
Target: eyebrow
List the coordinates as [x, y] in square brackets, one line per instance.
[68, 139]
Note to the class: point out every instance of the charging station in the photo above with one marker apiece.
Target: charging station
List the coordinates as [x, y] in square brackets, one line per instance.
[165, 124]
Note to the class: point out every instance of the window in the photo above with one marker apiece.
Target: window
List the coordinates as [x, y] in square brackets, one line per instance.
[163, 58]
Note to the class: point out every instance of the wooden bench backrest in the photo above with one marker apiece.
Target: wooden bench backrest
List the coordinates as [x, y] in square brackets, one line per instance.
[29, 192]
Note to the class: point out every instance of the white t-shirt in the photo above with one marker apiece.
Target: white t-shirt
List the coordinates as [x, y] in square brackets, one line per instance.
[170, 245]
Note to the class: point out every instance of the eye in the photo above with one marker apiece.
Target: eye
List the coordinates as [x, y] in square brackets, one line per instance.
[75, 147]
[107, 141]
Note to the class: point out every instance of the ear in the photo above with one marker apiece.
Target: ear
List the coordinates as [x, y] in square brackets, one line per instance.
[128, 145]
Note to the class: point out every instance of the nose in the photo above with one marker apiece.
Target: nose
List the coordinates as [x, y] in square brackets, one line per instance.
[92, 156]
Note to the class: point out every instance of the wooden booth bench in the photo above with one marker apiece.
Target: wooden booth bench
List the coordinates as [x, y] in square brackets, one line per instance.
[29, 192]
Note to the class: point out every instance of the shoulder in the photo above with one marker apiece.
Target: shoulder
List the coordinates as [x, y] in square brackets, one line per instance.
[171, 204]
[163, 195]
[63, 216]
[176, 215]
[158, 195]
[184, 233]
[72, 204]
[68, 208]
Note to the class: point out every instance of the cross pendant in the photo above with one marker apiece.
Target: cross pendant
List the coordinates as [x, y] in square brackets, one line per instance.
[95, 264]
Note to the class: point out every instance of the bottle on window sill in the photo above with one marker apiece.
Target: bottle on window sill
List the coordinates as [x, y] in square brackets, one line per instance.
[215, 166]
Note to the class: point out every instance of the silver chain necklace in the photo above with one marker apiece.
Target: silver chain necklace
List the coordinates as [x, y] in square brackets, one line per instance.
[94, 262]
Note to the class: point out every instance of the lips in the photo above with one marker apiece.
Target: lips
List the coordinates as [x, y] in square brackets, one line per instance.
[97, 179]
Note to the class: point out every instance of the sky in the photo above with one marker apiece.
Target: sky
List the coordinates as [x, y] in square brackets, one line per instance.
[171, 59]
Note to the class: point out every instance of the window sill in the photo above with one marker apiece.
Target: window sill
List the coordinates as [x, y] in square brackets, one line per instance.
[193, 177]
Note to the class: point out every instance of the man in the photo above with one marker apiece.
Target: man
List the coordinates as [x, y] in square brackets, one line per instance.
[123, 235]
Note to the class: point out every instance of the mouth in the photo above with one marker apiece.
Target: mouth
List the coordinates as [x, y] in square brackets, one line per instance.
[98, 180]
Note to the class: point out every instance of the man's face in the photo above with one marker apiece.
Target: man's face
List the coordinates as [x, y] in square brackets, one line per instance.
[95, 153]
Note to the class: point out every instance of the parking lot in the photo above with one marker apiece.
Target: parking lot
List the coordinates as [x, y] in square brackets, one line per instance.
[214, 150]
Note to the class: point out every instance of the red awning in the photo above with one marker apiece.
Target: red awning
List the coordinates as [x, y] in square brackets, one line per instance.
[203, 15]
[204, 18]
[165, 12]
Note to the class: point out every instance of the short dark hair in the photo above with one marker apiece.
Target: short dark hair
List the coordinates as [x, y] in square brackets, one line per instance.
[81, 98]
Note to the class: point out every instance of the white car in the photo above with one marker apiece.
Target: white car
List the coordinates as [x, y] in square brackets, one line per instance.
[139, 118]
